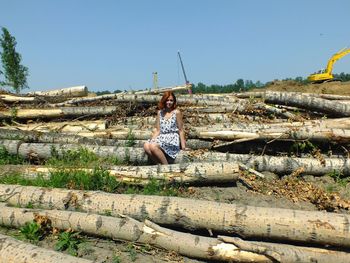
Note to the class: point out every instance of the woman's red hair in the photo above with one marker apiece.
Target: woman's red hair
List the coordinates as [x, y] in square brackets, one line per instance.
[166, 95]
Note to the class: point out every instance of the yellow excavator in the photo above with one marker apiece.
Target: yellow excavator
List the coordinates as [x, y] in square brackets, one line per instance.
[326, 74]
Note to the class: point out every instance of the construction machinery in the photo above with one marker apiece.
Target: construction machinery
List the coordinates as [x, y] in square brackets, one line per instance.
[326, 74]
[188, 84]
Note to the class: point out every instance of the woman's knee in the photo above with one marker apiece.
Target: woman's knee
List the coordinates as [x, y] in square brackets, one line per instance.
[153, 147]
[147, 147]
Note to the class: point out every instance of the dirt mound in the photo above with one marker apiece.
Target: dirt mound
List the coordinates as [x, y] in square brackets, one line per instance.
[334, 87]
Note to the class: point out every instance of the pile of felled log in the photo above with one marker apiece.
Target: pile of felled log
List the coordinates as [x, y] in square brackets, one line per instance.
[257, 132]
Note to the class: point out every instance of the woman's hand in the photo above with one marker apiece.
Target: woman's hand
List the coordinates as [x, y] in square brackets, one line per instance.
[185, 149]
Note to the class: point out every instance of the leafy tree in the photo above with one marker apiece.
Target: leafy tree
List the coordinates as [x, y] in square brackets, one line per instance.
[14, 73]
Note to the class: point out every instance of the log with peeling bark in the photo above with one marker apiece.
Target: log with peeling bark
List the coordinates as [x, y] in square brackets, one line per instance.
[15, 251]
[288, 253]
[45, 151]
[128, 229]
[164, 89]
[276, 164]
[14, 98]
[308, 133]
[154, 99]
[54, 137]
[335, 108]
[58, 112]
[77, 91]
[261, 94]
[70, 127]
[190, 173]
[315, 227]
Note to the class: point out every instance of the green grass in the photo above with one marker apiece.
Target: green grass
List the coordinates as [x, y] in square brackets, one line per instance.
[81, 157]
[98, 179]
[7, 158]
[339, 178]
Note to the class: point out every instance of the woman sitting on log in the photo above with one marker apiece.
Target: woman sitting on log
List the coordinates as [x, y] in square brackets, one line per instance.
[169, 133]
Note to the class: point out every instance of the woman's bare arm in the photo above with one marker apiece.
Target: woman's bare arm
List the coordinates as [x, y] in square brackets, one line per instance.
[156, 130]
[180, 126]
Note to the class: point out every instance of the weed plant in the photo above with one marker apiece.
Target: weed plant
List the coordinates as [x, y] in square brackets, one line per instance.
[32, 232]
[69, 241]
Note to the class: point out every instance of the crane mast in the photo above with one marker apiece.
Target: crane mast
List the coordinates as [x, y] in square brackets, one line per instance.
[184, 73]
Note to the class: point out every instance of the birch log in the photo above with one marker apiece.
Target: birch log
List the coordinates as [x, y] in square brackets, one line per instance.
[247, 221]
[128, 229]
[58, 112]
[289, 253]
[54, 137]
[261, 94]
[13, 98]
[278, 164]
[45, 151]
[308, 133]
[163, 89]
[153, 99]
[67, 127]
[137, 156]
[15, 251]
[77, 91]
[308, 102]
[190, 173]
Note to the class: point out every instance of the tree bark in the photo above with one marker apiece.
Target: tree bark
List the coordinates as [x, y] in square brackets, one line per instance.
[68, 127]
[52, 137]
[289, 253]
[45, 151]
[308, 133]
[190, 173]
[58, 112]
[137, 156]
[335, 108]
[128, 229]
[15, 251]
[12, 98]
[247, 221]
[277, 164]
[77, 91]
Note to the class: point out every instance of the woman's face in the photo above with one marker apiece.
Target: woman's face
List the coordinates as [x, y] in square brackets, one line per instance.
[169, 102]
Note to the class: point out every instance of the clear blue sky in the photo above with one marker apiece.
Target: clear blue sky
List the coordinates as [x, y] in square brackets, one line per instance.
[109, 45]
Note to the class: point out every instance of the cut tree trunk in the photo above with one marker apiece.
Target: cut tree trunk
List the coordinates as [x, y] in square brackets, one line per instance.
[77, 91]
[289, 253]
[12, 98]
[163, 89]
[128, 229]
[68, 127]
[247, 221]
[45, 151]
[137, 156]
[58, 112]
[15, 251]
[277, 164]
[308, 133]
[51, 137]
[190, 173]
[335, 108]
[153, 99]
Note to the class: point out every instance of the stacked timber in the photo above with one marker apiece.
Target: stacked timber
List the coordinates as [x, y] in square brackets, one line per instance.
[228, 135]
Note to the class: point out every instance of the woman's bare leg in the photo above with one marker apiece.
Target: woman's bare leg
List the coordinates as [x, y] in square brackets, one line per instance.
[158, 154]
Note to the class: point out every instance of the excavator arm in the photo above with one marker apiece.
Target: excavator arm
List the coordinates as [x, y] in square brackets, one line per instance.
[326, 74]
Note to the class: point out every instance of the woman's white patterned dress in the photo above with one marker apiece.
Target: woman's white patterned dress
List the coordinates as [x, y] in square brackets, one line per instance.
[168, 138]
